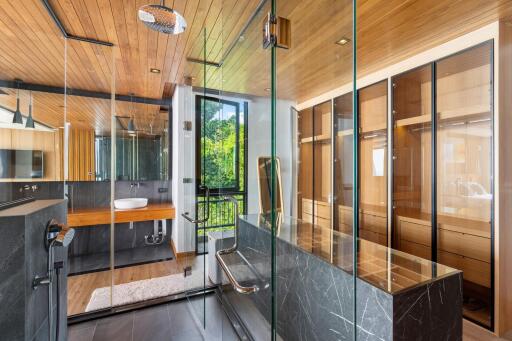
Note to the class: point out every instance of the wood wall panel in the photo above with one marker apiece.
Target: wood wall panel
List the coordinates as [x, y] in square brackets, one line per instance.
[81, 155]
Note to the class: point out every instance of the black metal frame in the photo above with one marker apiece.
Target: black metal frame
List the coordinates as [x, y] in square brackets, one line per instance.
[219, 192]
[200, 158]
[16, 84]
[65, 34]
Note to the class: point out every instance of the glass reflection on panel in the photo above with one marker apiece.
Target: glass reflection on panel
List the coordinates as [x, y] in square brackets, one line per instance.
[412, 116]
[464, 174]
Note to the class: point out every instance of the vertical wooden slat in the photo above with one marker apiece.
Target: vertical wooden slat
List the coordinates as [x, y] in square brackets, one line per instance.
[81, 155]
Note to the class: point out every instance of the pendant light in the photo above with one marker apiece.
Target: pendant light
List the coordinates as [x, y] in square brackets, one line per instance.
[131, 126]
[30, 120]
[17, 118]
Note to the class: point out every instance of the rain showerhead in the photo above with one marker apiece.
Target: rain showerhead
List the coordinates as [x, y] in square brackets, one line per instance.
[162, 19]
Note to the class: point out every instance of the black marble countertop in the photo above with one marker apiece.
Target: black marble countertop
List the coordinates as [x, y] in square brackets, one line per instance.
[390, 270]
[28, 208]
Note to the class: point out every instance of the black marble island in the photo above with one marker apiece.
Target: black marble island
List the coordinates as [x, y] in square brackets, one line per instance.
[397, 296]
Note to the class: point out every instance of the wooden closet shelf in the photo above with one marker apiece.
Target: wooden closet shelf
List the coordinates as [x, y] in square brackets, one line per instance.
[346, 132]
[421, 119]
[317, 138]
[477, 113]
[373, 128]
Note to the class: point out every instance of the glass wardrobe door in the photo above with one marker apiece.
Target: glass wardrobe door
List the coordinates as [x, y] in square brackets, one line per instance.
[343, 179]
[464, 174]
[412, 120]
[373, 118]
[322, 181]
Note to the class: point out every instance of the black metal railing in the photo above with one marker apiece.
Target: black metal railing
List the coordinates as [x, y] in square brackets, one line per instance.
[221, 216]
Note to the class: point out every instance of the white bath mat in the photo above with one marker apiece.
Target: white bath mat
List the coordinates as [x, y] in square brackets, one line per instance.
[144, 290]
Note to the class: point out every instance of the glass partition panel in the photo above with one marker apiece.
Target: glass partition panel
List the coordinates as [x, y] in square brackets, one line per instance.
[464, 174]
[245, 97]
[315, 242]
[88, 156]
[412, 118]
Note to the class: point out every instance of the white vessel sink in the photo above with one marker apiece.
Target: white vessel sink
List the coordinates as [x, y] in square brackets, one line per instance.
[130, 203]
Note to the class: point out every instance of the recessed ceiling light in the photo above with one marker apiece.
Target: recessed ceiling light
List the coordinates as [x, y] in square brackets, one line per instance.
[343, 41]
[153, 70]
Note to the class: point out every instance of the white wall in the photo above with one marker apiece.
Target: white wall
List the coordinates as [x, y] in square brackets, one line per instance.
[259, 144]
[183, 167]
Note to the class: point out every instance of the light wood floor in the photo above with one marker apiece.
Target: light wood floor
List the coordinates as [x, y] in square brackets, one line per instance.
[472, 332]
[81, 287]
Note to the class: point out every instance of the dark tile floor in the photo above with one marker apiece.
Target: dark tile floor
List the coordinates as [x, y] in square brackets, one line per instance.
[174, 321]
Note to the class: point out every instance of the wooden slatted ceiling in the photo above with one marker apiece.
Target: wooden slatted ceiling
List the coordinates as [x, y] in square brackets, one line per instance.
[33, 48]
[388, 30]
[84, 112]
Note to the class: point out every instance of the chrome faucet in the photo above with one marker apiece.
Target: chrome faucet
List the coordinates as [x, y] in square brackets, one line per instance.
[136, 186]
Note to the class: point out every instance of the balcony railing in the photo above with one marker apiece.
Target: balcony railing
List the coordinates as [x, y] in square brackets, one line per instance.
[222, 216]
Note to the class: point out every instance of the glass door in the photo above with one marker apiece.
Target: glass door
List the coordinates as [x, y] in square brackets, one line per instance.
[412, 162]
[464, 175]
[373, 163]
[244, 252]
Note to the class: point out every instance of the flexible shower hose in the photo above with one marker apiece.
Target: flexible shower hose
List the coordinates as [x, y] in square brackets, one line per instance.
[57, 317]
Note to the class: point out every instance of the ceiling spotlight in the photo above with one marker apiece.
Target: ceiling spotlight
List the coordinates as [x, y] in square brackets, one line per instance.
[343, 41]
[30, 120]
[17, 118]
[153, 70]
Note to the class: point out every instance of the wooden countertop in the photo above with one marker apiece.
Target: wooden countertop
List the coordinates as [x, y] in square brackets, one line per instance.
[102, 215]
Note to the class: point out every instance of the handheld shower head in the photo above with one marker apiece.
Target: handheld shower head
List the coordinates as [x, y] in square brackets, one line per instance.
[65, 236]
[58, 234]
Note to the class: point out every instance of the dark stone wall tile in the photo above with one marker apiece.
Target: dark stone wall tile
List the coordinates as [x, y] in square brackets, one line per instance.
[23, 256]
[43, 190]
[12, 275]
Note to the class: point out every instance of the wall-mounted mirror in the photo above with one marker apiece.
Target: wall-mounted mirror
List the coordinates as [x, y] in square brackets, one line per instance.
[142, 143]
[31, 135]
[142, 140]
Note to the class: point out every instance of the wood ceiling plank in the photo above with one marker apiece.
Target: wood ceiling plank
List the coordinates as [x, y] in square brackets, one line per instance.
[193, 9]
